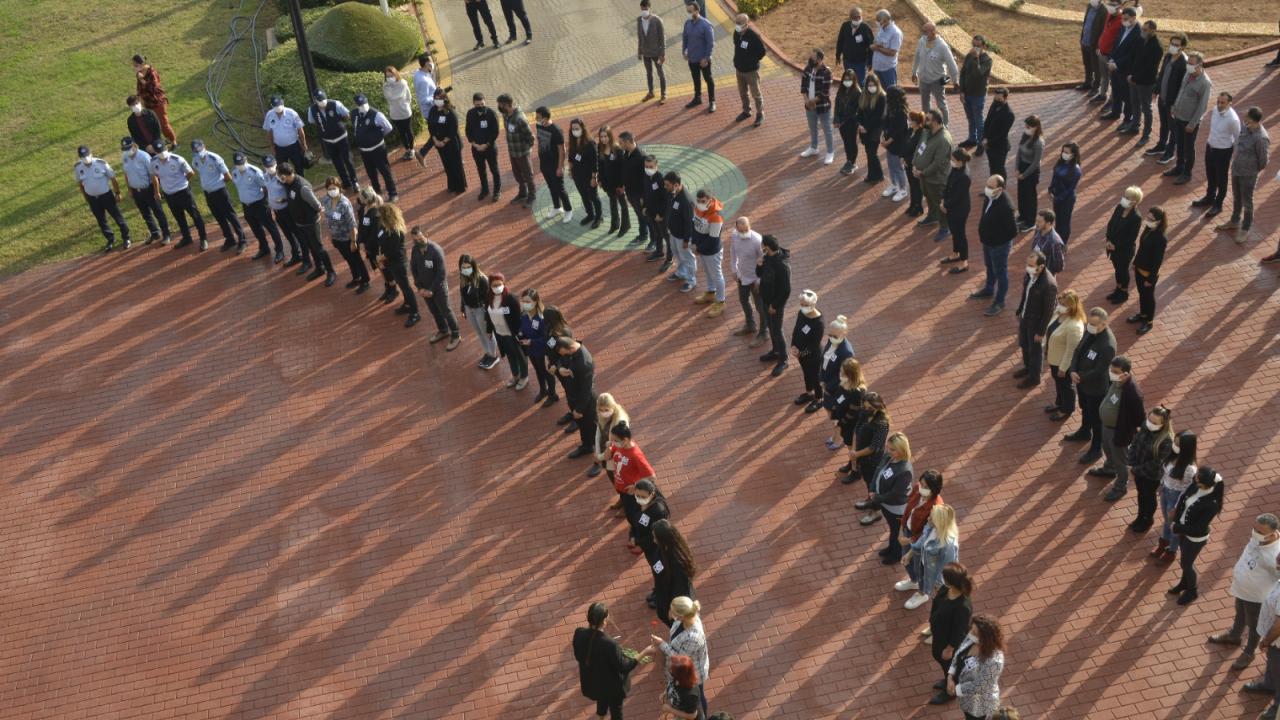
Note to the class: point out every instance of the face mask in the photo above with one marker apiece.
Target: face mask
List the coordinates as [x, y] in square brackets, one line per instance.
[644, 502]
[363, 108]
[606, 413]
[137, 109]
[644, 13]
[576, 133]
[322, 103]
[1194, 69]
[691, 15]
[1061, 309]
[703, 206]
[925, 492]
[334, 192]
[1126, 203]
[1066, 157]
[438, 103]
[466, 272]
[242, 166]
[740, 28]
[873, 88]
[1175, 49]
[87, 160]
[280, 110]
[1257, 535]
[1126, 24]
[164, 154]
[1092, 330]
[202, 152]
[1151, 224]
[497, 289]
[651, 171]
[526, 306]
[1031, 272]
[847, 83]
[271, 170]
[1152, 426]
[1115, 376]
[391, 78]
[989, 192]
[133, 151]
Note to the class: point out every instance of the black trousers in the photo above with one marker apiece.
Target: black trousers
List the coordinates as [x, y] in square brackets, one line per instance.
[916, 192]
[1062, 209]
[219, 202]
[1064, 392]
[700, 74]
[1146, 295]
[515, 9]
[438, 306]
[404, 128]
[1027, 203]
[105, 205]
[555, 186]
[957, 221]
[398, 273]
[939, 647]
[1217, 167]
[1032, 351]
[1120, 263]
[874, 171]
[590, 197]
[996, 157]
[1166, 125]
[1184, 146]
[183, 205]
[258, 215]
[634, 200]
[546, 381]
[293, 154]
[849, 138]
[309, 237]
[1090, 421]
[810, 367]
[151, 212]
[587, 426]
[375, 165]
[894, 546]
[477, 11]
[1087, 57]
[1146, 499]
[1188, 551]
[487, 159]
[613, 708]
[340, 155]
[455, 174]
[659, 238]
[618, 206]
[1121, 97]
[351, 253]
[777, 340]
[296, 249]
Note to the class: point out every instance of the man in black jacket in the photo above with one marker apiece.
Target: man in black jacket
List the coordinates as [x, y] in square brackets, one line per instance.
[1088, 371]
[1168, 82]
[631, 175]
[853, 45]
[656, 201]
[1122, 414]
[996, 230]
[679, 218]
[482, 133]
[575, 365]
[144, 126]
[975, 74]
[995, 132]
[748, 51]
[304, 211]
[1039, 298]
[432, 278]
[1120, 62]
[774, 272]
[1142, 80]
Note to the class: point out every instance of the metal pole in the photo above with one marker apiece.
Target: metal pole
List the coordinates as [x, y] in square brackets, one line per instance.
[304, 53]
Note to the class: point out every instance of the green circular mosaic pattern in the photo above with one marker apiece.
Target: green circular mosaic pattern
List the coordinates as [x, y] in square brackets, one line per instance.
[699, 170]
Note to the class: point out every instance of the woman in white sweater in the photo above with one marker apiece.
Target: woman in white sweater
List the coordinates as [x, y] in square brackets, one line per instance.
[1064, 335]
[399, 108]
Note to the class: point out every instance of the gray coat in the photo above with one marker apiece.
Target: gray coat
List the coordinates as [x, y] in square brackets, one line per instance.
[652, 44]
[1193, 98]
[1253, 149]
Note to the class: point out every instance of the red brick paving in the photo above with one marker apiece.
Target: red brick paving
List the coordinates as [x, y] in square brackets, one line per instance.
[229, 494]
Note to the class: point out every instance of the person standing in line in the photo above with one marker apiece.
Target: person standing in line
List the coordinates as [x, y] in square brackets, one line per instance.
[955, 207]
[997, 230]
[889, 490]
[806, 346]
[395, 90]
[655, 204]
[1187, 111]
[932, 164]
[845, 118]
[152, 94]
[916, 134]
[1255, 573]
[390, 236]
[937, 547]
[974, 676]
[774, 272]
[1065, 333]
[604, 672]
[926, 494]
[251, 187]
[1179, 473]
[1169, 80]
[519, 147]
[1106, 41]
[1120, 413]
[502, 320]
[1088, 370]
[1046, 240]
[896, 139]
[697, 43]
[286, 134]
[746, 252]
[442, 124]
[172, 175]
[101, 190]
[748, 51]
[144, 126]
[371, 128]
[679, 219]
[585, 168]
[888, 41]
[707, 224]
[533, 340]
[331, 116]
[1030, 152]
[995, 133]
[482, 134]
[633, 171]
[853, 45]
[512, 9]
[478, 10]
[1122, 237]
[837, 350]
[340, 221]
[1090, 30]
[846, 408]
[1062, 188]
[815, 88]
[278, 201]
[432, 279]
[651, 48]
[608, 414]
[1146, 267]
[950, 617]
[551, 161]
[975, 74]
[367, 203]
[1224, 131]
[1142, 81]
[932, 68]
[1196, 509]
[214, 177]
[687, 639]
[651, 506]
[304, 210]
[424, 90]
[674, 571]
[869, 437]
[627, 466]
[680, 699]
[607, 156]
[473, 288]
[578, 369]
[1146, 456]
[1269, 628]
[1253, 150]
[1120, 62]
[1039, 297]
[871, 107]
[136, 164]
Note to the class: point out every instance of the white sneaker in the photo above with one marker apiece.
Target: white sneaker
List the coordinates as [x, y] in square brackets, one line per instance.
[916, 601]
[830, 158]
[809, 152]
[553, 212]
[889, 191]
[905, 584]
[568, 217]
[900, 195]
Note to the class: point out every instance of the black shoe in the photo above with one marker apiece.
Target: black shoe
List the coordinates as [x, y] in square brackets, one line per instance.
[693, 103]
[497, 195]
[941, 697]
[769, 357]
[412, 320]
[779, 369]
[845, 469]
[551, 400]
[1253, 686]
[1080, 435]
[595, 223]
[654, 256]
[315, 274]
[353, 283]
[1136, 317]
[1202, 202]
[1020, 373]
[362, 287]
[1144, 328]
[1139, 527]
[1090, 456]
[259, 255]
[1157, 150]
[294, 260]
[813, 407]
[511, 40]
[227, 245]
[1109, 115]
[278, 257]
[804, 399]
[981, 295]
[390, 296]
[1187, 597]
[759, 120]
[742, 116]
[484, 193]
[479, 46]
[848, 479]
[303, 269]
[565, 419]
[1212, 211]
[580, 451]
[330, 278]
[586, 221]
[1113, 494]
[1171, 172]
[404, 310]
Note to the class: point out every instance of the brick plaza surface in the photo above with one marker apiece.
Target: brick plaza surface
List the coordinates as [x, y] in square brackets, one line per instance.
[232, 494]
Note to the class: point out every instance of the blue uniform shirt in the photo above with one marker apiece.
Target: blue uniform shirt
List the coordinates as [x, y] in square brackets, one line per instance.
[96, 176]
[172, 173]
[137, 169]
[277, 193]
[284, 126]
[251, 184]
[211, 169]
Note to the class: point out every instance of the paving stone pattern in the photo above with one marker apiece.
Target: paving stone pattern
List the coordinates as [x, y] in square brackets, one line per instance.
[232, 494]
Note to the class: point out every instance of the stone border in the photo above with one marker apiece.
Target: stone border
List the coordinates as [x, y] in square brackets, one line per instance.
[1167, 25]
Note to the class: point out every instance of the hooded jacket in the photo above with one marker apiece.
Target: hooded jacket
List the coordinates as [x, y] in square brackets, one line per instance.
[775, 279]
[706, 228]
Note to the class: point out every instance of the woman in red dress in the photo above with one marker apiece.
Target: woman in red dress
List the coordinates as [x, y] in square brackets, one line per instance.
[153, 97]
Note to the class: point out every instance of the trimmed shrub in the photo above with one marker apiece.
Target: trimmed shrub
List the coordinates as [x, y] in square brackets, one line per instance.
[353, 37]
[283, 5]
[756, 8]
[284, 26]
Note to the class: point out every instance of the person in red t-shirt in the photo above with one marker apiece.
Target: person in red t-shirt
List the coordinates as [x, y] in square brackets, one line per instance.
[628, 465]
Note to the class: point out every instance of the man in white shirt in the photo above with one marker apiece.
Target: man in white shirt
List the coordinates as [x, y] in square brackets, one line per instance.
[1255, 573]
[1269, 628]
[888, 42]
[745, 253]
[933, 66]
[1224, 129]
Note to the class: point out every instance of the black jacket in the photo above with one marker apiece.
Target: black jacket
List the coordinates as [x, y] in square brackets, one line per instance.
[996, 128]
[642, 524]
[472, 295]
[670, 581]
[1091, 361]
[1150, 255]
[579, 388]
[846, 408]
[679, 216]
[603, 671]
[429, 272]
[1124, 51]
[367, 232]
[998, 226]
[1146, 61]
[844, 109]
[895, 131]
[656, 200]
[583, 163]
[631, 171]
[1122, 232]
[1202, 512]
[147, 122]
[871, 119]
[442, 124]
[391, 246]
[1176, 66]
[1132, 414]
[853, 45]
[748, 50]
[304, 206]
[486, 135]
[510, 313]
[609, 167]
[975, 73]
[775, 279]
[1145, 457]
[1035, 310]
[955, 194]
[808, 341]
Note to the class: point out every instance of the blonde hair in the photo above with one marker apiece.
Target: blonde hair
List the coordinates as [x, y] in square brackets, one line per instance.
[1134, 193]
[900, 443]
[841, 322]
[619, 415]
[851, 374]
[391, 218]
[369, 197]
[809, 296]
[943, 517]
[685, 608]
[1075, 307]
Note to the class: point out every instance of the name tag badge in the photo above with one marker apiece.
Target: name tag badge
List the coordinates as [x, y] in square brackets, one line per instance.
[506, 311]
[920, 150]
[1092, 355]
[577, 157]
[840, 399]
[430, 264]
[644, 520]
[511, 129]
[364, 222]
[442, 120]
[293, 195]
[805, 330]
[658, 567]
[887, 474]
[551, 342]
[743, 44]
[675, 205]
[381, 233]
[857, 39]
[655, 186]
[535, 324]
[336, 215]
[1115, 399]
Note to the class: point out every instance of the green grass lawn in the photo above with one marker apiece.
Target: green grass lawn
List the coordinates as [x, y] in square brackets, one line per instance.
[64, 75]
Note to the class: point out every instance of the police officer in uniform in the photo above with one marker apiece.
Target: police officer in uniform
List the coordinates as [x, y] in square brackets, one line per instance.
[278, 201]
[214, 177]
[137, 174]
[251, 186]
[304, 209]
[286, 133]
[171, 175]
[331, 116]
[99, 186]
[371, 128]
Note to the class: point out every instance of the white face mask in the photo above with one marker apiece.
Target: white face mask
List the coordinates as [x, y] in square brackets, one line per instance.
[1152, 426]
[280, 110]
[990, 192]
[271, 169]
[133, 151]
[1031, 271]
[1061, 309]
[847, 83]
[334, 192]
[576, 133]
[1092, 330]
[691, 15]
[644, 502]
[740, 28]
[1151, 224]
[202, 152]
[1126, 24]
[1175, 49]
[1258, 536]
[242, 166]
[137, 109]
[1193, 69]
[651, 171]
[323, 104]
[606, 413]
[703, 206]
[438, 103]
[644, 13]
[391, 78]
[466, 272]
[164, 154]
[87, 159]
[497, 289]
[1126, 203]
[363, 108]
[1115, 376]
[1066, 156]
[527, 307]
[925, 492]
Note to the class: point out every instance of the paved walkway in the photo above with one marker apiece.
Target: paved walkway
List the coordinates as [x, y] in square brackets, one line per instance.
[231, 494]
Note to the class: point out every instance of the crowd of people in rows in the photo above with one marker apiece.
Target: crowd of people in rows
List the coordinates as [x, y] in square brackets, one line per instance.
[1125, 64]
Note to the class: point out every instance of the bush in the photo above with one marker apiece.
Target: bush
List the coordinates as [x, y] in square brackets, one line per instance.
[283, 5]
[284, 26]
[756, 8]
[355, 37]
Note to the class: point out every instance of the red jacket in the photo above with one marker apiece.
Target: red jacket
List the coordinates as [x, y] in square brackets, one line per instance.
[1110, 31]
[917, 513]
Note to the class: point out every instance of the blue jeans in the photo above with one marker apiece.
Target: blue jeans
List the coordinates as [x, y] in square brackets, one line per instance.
[897, 173]
[973, 107]
[888, 78]
[824, 117]
[996, 260]
[713, 271]
[859, 69]
[1168, 503]
[686, 265]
